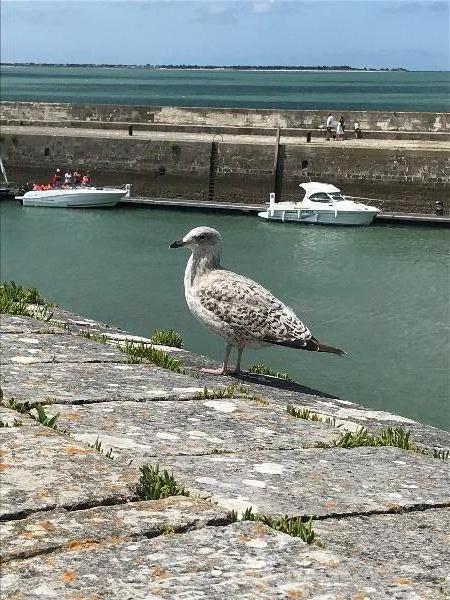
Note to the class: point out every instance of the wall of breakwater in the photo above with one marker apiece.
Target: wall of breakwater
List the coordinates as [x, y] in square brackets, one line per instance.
[235, 117]
[176, 152]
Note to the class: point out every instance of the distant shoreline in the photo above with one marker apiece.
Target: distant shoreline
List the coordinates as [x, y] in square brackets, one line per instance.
[255, 68]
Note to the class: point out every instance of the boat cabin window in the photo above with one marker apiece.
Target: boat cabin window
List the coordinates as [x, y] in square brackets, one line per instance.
[320, 197]
[337, 196]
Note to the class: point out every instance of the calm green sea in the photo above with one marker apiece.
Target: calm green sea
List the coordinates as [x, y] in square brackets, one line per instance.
[381, 293]
[397, 91]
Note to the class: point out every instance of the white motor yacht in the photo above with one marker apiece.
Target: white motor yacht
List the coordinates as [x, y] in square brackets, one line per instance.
[322, 203]
[75, 197]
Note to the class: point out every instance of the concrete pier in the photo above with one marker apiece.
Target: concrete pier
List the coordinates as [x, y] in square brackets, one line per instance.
[74, 524]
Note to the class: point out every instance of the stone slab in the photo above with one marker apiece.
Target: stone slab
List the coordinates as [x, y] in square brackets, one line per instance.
[42, 470]
[27, 349]
[77, 323]
[248, 561]
[191, 427]
[22, 324]
[77, 383]
[351, 417]
[44, 532]
[413, 546]
[13, 418]
[317, 482]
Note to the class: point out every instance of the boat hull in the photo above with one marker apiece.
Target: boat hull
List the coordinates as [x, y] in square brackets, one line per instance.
[73, 198]
[320, 217]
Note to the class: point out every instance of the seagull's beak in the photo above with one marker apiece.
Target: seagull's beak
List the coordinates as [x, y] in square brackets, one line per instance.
[177, 244]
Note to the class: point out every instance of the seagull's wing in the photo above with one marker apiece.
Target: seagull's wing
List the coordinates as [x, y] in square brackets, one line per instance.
[252, 311]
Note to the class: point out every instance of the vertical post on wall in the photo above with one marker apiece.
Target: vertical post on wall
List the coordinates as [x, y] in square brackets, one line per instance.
[212, 169]
[278, 167]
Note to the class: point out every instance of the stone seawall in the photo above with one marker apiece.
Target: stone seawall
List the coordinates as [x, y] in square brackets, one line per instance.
[410, 176]
[270, 497]
[237, 117]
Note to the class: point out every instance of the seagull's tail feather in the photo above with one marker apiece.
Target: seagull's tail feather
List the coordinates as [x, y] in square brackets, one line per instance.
[330, 349]
[312, 345]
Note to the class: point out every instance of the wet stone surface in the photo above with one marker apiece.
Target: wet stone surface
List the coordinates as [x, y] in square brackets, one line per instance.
[191, 427]
[25, 349]
[413, 547]
[76, 383]
[317, 482]
[57, 530]
[42, 470]
[244, 560]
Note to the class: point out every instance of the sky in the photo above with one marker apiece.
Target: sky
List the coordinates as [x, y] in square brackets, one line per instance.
[366, 33]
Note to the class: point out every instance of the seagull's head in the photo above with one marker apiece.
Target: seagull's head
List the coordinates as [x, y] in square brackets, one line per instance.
[201, 240]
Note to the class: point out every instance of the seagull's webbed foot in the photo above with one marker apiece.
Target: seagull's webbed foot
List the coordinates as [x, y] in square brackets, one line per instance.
[220, 371]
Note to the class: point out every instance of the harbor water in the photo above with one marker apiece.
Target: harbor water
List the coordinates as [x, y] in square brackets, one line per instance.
[379, 292]
[319, 90]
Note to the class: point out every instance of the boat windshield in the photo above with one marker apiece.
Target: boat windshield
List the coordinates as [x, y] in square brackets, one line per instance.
[336, 197]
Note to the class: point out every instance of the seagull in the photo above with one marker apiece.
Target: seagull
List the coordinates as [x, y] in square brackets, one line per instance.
[235, 307]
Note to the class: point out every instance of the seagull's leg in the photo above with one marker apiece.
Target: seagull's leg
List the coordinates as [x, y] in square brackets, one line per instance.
[223, 370]
[238, 363]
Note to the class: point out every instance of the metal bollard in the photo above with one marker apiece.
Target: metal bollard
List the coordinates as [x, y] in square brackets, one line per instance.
[308, 136]
[439, 210]
[130, 129]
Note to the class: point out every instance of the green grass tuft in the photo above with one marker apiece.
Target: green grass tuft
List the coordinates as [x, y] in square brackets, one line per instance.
[396, 437]
[155, 484]
[261, 369]
[441, 454]
[41, 417]
[97, 445]
[167, 337]
[140, 353]
[16, 299]
[95, 336]
[309, 415]
[229, 391]
[293, 526]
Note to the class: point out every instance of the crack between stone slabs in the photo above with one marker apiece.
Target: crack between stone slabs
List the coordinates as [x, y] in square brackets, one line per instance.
[109, 501]
[110, 541]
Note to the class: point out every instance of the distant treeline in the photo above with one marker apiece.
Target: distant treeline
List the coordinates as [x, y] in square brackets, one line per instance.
[212, 67]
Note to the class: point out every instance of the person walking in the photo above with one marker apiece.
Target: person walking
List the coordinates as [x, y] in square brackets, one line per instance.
[357, 130]
[339, 131]
[342, 122]
[330, 123]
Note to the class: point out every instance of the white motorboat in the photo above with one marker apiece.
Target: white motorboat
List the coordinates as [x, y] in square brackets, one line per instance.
[75, 197]
[322, 203]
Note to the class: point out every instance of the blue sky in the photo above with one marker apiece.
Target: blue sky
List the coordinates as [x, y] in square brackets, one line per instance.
[373, 33]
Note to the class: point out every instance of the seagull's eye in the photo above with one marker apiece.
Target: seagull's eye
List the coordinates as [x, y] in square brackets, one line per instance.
[202, 236]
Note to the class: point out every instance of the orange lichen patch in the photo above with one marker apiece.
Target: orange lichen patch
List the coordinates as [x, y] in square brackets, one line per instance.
[259, 530]
[2, 453]
[402, 581]
[359, 596]
[252, 574]
[47, 525]
[294, 594]
[76, 450]
[3, 466]
[392, 506]
[81, 544]
[27, 535]
[244, 537]
[159, 572]
[329, 504]
[68, 576]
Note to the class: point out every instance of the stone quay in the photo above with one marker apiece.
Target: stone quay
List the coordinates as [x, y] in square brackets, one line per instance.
[81, 423]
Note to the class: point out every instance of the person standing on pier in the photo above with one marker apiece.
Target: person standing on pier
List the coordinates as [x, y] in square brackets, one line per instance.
[330, 123]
